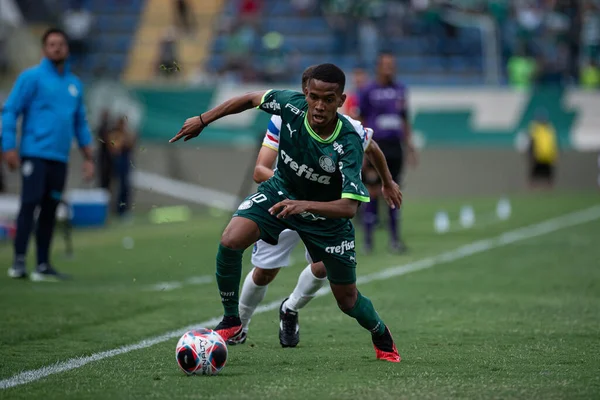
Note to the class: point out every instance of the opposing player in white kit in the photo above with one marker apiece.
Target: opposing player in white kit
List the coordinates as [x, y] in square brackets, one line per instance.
[268, 259]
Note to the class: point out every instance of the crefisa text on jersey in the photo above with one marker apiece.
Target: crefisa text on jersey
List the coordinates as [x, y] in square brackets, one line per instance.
[304, 171]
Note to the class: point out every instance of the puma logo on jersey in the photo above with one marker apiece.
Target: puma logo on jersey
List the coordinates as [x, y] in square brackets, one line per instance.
[355, 186]
[291, 130]
[303, 170]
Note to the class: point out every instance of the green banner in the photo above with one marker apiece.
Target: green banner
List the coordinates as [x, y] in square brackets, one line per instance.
[441, 116]
[166, 111]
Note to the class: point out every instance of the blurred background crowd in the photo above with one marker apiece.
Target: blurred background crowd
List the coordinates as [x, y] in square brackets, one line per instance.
[520, 42]
[438, 42]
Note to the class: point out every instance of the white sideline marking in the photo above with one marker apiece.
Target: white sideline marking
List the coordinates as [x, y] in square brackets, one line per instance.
[166, 286]
[479, 246]
[184, 191]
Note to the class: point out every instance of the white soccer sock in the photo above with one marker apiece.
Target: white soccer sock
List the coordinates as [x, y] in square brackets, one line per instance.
[307, 287]
[250, 298]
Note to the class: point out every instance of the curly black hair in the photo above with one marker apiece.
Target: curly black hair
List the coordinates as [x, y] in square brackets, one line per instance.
[329, 73]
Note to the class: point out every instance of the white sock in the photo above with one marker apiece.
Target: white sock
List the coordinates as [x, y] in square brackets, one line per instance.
[250, 298]
[307, 287]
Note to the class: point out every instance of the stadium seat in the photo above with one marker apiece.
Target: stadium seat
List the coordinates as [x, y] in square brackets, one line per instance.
[115, 23]
[418, 53]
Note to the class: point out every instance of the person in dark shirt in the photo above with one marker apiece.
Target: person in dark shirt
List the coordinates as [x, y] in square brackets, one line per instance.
[383, 106]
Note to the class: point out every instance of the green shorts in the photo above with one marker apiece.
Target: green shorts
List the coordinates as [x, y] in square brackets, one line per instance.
[329, 240]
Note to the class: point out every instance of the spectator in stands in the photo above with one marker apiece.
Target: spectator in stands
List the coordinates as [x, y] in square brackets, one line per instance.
[529, 16]
[508, 28]
[249, 12]
[184, 17]
[590, 32]
[121, 144]
[238, 52]
[275, 62]
[368, 41]
[78, 23]
[438, 30]
[522, 69]
[554, 68]
[304, 7]
[337, 14]
[168, 54]
[590, 75]
[573, 12]
[397, 18]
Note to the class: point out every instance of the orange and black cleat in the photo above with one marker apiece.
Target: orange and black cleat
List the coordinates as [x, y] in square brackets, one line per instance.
[385, 348]
[229, 328]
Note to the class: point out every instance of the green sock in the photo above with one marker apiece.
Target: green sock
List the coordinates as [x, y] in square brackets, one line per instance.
[364, 312]
[229, 274]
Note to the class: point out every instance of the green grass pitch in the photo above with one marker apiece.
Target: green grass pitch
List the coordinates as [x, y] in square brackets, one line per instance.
[514, 321]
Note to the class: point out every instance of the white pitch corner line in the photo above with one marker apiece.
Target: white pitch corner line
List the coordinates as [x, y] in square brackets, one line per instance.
[480, 246]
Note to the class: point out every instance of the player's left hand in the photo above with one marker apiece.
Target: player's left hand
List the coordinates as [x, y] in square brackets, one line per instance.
[191, 128]
[285, 208]
[392, 194]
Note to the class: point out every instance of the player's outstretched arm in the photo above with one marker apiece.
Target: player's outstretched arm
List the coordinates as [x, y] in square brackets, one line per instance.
[193, 126]
[390, 189]
[342, 208]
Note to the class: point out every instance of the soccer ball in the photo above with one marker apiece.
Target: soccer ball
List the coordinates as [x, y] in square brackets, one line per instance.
[201, 352]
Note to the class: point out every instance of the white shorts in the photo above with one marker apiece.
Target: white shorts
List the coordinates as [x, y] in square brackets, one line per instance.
[267, 256]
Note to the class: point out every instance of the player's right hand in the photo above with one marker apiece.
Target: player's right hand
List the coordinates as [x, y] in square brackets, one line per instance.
[191, 128]
[392, 194]
[12, 159]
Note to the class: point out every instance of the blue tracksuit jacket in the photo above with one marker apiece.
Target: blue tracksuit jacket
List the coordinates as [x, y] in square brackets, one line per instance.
[53, 111]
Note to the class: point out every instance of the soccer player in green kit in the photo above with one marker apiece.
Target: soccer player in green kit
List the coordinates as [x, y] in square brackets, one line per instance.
[315, 191]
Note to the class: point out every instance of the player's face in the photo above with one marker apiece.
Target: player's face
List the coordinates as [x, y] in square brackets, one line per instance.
[323, 100]
[56, 48]
[387, 67]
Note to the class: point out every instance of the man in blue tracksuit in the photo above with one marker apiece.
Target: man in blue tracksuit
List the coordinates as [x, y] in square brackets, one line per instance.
[50, 99]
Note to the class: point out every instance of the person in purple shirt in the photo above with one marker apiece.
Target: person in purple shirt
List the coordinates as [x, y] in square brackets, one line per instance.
[383, 105]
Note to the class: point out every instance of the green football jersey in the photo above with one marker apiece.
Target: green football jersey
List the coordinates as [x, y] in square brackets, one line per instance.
[309, 167]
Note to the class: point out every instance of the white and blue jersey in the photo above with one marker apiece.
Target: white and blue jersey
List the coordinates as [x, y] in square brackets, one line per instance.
[271, 139]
